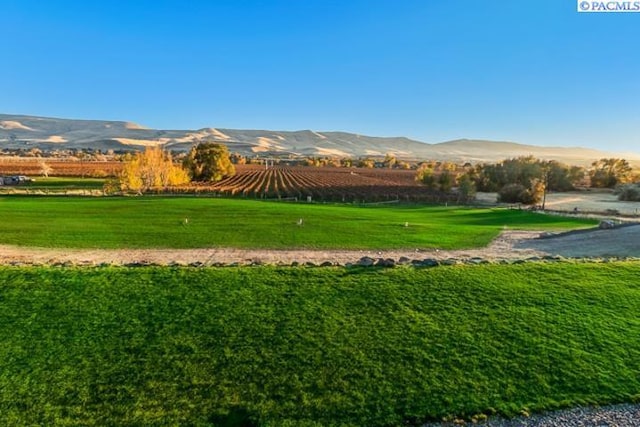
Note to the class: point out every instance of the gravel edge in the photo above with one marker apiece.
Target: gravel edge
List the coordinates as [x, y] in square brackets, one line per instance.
[621, 415]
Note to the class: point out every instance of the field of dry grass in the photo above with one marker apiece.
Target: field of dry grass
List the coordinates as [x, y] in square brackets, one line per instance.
[587, 201]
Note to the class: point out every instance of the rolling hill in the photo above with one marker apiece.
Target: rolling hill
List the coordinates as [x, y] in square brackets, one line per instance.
[25, 132]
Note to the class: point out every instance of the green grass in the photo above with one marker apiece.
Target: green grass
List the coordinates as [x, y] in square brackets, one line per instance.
[296, 346]
[64, 183]
[149, 222]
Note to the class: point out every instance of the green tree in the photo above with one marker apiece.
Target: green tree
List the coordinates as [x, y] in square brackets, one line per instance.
[466, 189]
[522, 170]
[346, 162]
[426, 176]
[390, 161]
[561, 177]
[535, 176]
[445, 181]
[209, 161]
[366, 163]
[607, 173]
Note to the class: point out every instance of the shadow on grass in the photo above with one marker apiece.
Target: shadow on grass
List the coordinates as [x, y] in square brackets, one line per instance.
[237, 417]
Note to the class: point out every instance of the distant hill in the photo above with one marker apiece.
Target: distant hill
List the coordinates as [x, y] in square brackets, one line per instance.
[19, 131]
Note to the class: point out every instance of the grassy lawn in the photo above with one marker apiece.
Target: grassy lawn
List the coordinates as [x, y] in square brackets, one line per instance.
[64, 183]
[191, 222]
[295, 346]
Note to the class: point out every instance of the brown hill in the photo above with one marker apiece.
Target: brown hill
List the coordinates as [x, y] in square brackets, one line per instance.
[25, 132]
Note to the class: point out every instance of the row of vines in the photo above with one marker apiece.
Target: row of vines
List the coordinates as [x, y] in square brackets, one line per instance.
[34, 167]
[323, 184]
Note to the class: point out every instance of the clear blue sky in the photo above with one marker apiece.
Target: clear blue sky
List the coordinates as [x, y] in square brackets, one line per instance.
[534, 72]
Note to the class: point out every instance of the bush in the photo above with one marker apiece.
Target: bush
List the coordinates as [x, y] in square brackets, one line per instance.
[629, 192]
[517, 193]
[426, 176]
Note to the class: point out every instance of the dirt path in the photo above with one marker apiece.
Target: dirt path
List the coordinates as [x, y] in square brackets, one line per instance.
[620, 242]
[501, 248]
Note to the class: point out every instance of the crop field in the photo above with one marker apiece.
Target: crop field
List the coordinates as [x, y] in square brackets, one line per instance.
[313, 346]
[326, 184]
[256, 181]
[57, 186]
[33, 167]
[199, 222]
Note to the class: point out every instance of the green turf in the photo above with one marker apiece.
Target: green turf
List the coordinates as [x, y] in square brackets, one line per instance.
[296, 346]
[65, 183]
[191, 222]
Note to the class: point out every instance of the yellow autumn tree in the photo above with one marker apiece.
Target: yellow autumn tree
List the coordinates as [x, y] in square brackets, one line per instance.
[149, 170]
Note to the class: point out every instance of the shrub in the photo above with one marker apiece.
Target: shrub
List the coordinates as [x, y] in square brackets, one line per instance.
[426, 176]
[517, 193]
[629, 192]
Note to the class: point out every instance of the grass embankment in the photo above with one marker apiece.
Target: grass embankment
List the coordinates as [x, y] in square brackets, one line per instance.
[188, 222]
[295, 346]
[65, 183]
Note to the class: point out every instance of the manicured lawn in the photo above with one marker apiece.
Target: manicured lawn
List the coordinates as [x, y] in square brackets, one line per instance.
[313, 346]
[192, 222]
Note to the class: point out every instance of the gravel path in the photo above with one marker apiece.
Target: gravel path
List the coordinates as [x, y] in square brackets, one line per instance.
[617, 242]
[609, 416]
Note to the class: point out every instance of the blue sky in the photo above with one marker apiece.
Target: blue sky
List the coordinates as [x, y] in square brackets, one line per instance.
[534, 72]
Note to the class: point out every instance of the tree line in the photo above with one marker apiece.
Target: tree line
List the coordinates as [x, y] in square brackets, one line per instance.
[156, 169]
[517, 180]
[525, 179]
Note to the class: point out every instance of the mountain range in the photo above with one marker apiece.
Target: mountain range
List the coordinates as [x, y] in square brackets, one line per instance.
[26, 132]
